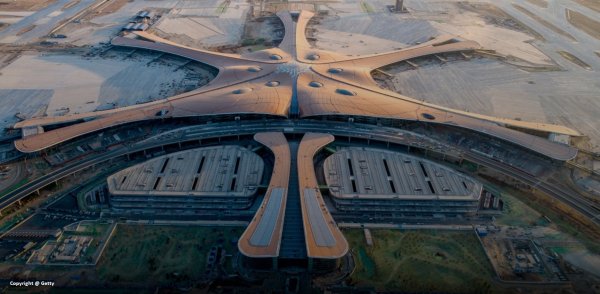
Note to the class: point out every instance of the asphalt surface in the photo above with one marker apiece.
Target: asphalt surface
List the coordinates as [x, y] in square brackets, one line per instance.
[41, 22]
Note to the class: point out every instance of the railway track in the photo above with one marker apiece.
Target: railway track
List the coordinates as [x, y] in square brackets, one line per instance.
[564, 194]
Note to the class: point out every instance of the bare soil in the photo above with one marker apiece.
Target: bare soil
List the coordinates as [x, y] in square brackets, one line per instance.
[591, 4]
[544, 22]
[108, 8]
[496, 249]
[540, 3]
[25, 30]
[496, 16]
[572, 58]
[584, 23]
[21, 5]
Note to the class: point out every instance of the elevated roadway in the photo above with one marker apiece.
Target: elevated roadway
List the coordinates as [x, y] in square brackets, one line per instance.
[361, 131]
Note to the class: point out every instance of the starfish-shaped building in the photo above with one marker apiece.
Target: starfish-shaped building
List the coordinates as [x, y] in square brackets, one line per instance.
[293, 80]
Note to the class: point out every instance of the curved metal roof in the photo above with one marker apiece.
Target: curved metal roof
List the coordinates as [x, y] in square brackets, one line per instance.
[323, 237]
[262, 237]
[265, 81]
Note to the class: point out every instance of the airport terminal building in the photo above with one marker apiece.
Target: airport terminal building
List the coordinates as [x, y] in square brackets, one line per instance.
[294, 83]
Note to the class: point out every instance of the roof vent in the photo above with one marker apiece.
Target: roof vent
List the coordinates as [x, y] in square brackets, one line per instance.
[242, 91]
[345, 92]
[161, 112]
[254, 68]
[313, 56]
[428, 116]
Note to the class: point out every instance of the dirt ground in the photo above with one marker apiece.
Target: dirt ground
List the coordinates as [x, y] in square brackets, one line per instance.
[106, 9]
[544, 22]
[572, 58]
[591, 4]
[584, 23]
[540, 3]
[496, 16]
[20, 5]
[496, 249]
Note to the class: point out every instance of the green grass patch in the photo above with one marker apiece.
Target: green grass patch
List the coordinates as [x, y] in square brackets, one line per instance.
[366, 8]
[559, 250]
[542, 204]
[258, 47]
[469, 166]
[517, 213]
[155, 253]
[92, 229]
[9, 223]
[15, 186]
[367, 263]
[420, 261]
[252, 42]
[222, 7]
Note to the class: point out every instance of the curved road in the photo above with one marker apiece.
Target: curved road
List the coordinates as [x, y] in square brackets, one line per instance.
[385, 134]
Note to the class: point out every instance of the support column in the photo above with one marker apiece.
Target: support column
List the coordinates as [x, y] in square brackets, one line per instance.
[399, 6]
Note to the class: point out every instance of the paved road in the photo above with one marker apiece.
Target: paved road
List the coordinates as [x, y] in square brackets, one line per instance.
[385, 134]
[41, 22]
[583, 48]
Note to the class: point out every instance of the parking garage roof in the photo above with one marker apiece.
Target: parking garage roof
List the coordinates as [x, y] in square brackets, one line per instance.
[208, 172]
[365, 173]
